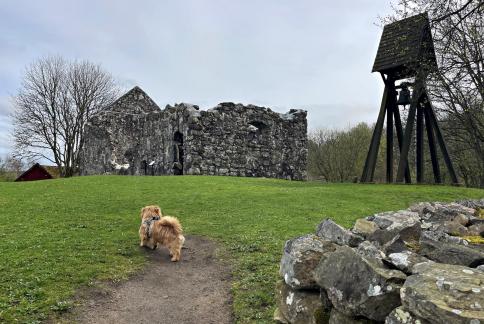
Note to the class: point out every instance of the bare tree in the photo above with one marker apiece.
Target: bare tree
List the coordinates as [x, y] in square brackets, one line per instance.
[10, 168]
[339, 155]
[54, 102]
[439, 10]
[457, 88]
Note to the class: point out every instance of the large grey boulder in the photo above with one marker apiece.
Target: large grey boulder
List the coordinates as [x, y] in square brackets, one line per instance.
[443, 293]
[336, 317]
[372, 253]
[298, 306]
[441, 212]
[422, 208]
[472, 203]
[300, 257]
[407, 234]
[453, 227]
[364, 227]
[397, 244]
[462, 219]
[476, 229]
[333, 232]
[442, 237]
[451, 253]
[395, 220]
[406, 260]
[359, 286]
[404, 223]
[401, 316]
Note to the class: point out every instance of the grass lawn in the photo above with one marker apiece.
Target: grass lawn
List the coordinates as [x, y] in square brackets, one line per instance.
[59, 235]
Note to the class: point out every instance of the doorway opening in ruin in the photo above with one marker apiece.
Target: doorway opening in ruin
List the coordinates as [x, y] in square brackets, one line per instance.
[144, 166]
[178, 153]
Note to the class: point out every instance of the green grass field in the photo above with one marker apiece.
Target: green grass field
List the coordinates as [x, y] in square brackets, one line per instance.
[59, 235]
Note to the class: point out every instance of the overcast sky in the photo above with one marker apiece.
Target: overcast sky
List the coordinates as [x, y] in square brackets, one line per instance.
[314, 55]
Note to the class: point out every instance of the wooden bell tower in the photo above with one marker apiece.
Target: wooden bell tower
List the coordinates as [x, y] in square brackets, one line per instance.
[406, 52]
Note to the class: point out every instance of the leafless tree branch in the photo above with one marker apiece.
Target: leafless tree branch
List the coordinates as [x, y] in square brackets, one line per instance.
[55, 101]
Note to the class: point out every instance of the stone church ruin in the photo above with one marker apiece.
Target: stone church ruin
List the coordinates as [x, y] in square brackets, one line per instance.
[133, 136]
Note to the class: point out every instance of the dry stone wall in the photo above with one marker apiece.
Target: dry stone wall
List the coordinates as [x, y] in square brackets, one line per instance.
[134, 136]
[415, 266]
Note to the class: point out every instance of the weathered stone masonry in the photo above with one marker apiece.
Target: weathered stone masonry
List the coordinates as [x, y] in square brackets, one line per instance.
[134, 136]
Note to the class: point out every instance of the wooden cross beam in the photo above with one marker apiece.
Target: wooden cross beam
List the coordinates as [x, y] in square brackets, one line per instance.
[418, 93]
[399, 129]
[421, 108]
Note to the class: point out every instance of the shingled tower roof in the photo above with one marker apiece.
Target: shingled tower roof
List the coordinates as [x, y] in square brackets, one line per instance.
[405, 47]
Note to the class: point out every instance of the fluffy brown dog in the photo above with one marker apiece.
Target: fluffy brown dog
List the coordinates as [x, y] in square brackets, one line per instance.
[149, 215]
[158, 229]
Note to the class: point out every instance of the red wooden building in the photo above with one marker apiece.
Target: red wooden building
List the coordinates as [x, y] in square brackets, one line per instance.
[36, 172]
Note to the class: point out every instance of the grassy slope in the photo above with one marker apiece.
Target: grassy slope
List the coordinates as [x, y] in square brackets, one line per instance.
[60, 234]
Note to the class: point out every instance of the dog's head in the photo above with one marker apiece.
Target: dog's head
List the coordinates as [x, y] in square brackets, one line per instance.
[150, 211]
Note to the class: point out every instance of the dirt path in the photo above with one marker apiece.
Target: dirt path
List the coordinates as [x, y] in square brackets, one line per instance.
[194, 290]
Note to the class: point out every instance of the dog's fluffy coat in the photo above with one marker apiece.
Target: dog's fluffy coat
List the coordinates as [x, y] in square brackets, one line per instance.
[166, 231]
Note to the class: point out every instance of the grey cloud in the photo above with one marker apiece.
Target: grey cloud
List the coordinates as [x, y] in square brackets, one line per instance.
[278, 53]
[6, 143]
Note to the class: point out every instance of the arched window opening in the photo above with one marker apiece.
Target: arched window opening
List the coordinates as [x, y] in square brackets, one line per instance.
[259, 125]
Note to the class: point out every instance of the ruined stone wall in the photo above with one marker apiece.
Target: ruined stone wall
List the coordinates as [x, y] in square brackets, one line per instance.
[124, 136]
[238, 140]
[134, 136]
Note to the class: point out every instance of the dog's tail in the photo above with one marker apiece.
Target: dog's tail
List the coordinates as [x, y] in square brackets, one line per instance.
[173, 223]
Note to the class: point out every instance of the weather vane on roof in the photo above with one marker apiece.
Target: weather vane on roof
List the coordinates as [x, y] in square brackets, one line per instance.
[406, 52]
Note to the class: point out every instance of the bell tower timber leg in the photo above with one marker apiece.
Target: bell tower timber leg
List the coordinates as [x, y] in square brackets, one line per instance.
[407, 138]
[432, 148]
[392, 104]
[370, 163]
[399, 130]
[420, 151]
[443, 146]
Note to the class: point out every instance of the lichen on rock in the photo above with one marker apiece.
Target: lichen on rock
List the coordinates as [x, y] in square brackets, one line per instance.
[363, 276]
[300, 258]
